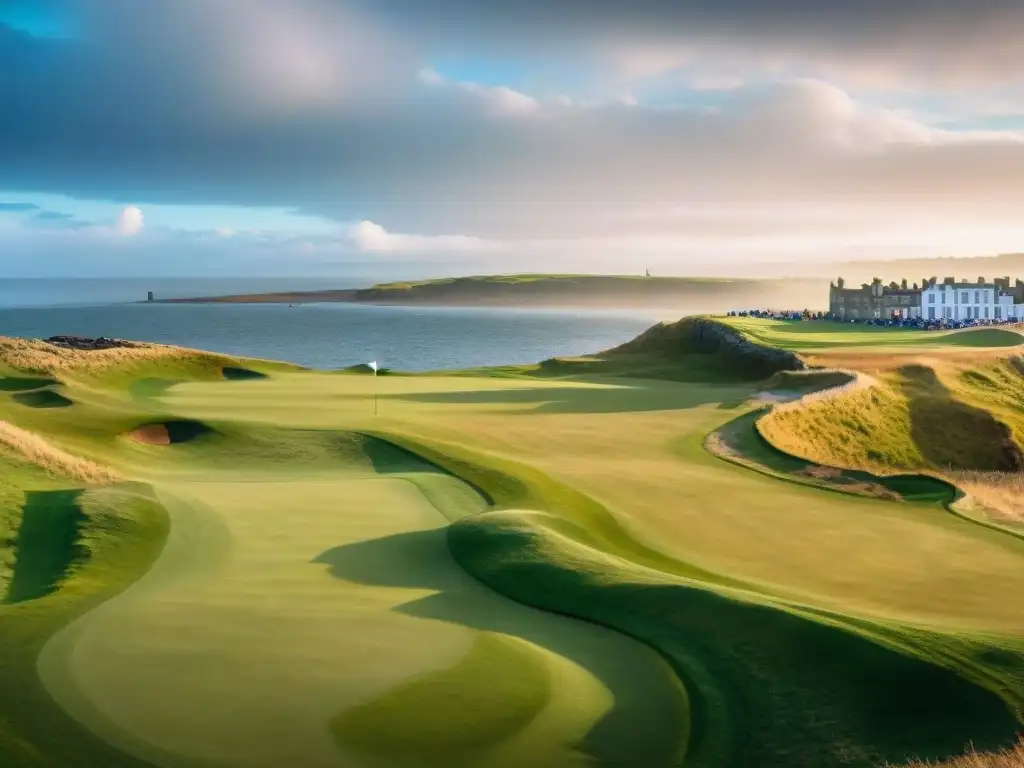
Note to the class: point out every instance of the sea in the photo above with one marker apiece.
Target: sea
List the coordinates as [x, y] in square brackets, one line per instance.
[323, 336]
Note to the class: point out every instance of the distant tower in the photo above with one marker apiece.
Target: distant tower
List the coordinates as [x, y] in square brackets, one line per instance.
[149, 296]
[648, 272]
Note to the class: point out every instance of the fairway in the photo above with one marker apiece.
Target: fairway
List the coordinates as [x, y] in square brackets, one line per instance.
[826, 334]
[493, 570]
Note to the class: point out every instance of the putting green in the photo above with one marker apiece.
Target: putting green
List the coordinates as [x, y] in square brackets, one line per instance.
[278, 607]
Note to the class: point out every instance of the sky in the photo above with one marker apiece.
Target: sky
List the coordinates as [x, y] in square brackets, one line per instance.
[288, 137]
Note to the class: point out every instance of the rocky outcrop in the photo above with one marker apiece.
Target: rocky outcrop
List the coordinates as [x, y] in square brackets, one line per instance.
[83, 342]
[701, 335]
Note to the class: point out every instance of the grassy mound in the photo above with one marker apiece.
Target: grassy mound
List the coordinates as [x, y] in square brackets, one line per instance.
[65, 549]
[741, 442]
[761, 676]
[708, 343]
[395, 726]
[938, 416]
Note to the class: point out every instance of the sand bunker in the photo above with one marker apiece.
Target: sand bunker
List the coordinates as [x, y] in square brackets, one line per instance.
[169, 432]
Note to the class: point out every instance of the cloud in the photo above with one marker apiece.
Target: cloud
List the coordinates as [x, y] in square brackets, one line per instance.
[499, 100]
[430, 76]
[921, 42]
[373, 238]
[18, 207]
[716, 82]
[53, 216]
[334, 110]
[129, 222]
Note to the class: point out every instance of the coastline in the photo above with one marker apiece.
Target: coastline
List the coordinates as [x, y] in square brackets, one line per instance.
[542, 291]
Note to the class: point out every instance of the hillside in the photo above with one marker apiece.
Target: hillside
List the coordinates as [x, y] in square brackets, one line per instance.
[948, 403]
[535, 565]
[679, 293]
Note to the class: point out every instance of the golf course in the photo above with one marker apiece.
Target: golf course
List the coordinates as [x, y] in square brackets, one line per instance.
[730, 543]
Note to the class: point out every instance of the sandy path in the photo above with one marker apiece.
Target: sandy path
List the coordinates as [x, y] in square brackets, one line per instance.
[275, 606]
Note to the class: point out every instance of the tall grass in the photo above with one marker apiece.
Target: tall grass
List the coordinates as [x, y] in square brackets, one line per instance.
[1001, 492]
[35, 356]
[52, 459]
[1012, 758]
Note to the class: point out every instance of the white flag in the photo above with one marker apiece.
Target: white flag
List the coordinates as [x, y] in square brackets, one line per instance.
[373, 365]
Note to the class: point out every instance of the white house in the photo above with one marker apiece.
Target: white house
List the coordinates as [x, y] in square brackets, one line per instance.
[952, 300]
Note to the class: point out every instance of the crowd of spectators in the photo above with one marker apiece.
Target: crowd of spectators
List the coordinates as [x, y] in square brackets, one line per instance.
[895, 321]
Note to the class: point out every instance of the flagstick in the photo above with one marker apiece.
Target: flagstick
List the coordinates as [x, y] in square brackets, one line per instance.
[374, 390]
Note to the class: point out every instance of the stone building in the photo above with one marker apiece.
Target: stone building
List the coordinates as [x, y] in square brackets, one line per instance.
[933, 300]
[874, 301]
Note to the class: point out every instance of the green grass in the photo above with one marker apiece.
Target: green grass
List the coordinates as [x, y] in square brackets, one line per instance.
[554, 278]
[826, 335]
[569, 290]
[117, 532]
[941, 415]
[413, 722]
[529, 566]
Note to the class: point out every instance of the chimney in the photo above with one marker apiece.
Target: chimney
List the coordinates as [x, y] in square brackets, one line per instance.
[981, 281]
[903, 284]
[841, 283]
[149, 296]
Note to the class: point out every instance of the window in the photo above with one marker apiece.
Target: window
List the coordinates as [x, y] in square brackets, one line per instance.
[943, 297]
[986, 297]
[999, 313]
[931, 310]
[977, 297]
[986, 313]
[964, 298]
[931, 300]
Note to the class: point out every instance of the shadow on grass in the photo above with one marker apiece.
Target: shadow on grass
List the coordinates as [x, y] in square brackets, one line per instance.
[232, 373]
[47, 544]
[606, 397]
[951, 433]
[390, 459]
[42, 398]
[632, 733]
[767, 687]
[23, 384]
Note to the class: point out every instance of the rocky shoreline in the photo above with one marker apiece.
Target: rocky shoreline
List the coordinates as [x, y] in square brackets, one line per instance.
[86, 343]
